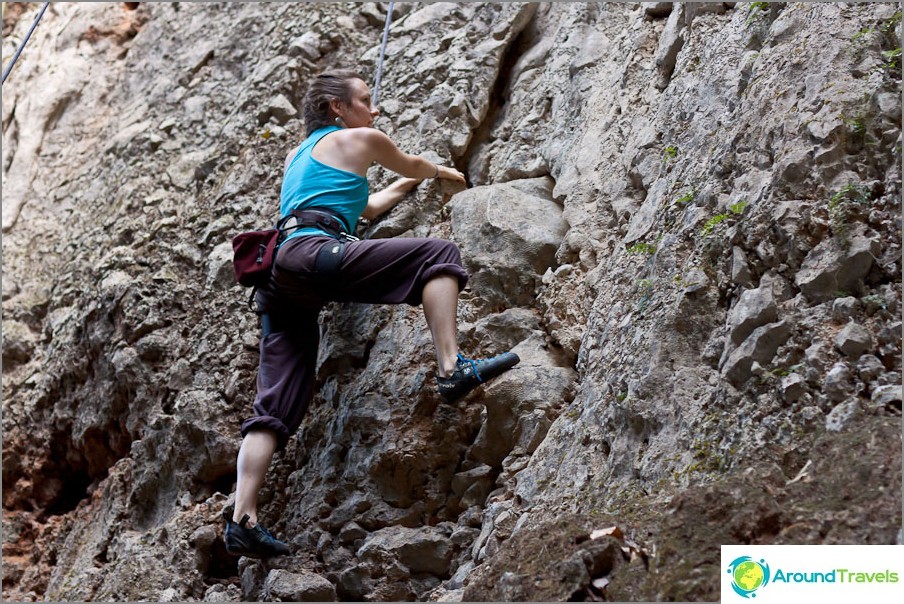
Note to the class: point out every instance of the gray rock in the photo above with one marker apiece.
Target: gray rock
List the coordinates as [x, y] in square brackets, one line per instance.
[817, 356]
[473, 485]
[755, 308]
[671, 41]
[838, 384]
[220, 271]
[508, 240]
[793, 387]
[280, 108]
[351, 532]
[740, 270]
[354, 583]
[422, 550]
[869, 367]
[887, 396]
[759, 347]
[284, 586]
[18, 343]
[223, 593]
[831, 267]
[853, 340]
[511, 401]
[843, 309]
[657, 10]
[307, 45]
[890, 105]
[461, 574]
[841, 415]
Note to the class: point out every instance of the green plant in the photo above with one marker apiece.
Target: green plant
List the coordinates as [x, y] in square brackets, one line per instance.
[645, 288]
[890, 24]
[842, 205]
[712, 222]
[733, 209]
[874, 300]
[855, 124]
[892, 58]
[686, 198]
[863, 33]
[738, 208]
[642, 248]
[670, 153]
[755, 10]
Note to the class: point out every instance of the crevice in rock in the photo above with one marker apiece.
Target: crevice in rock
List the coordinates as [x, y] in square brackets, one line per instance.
[223, 565]
[519, 45]
[73, 489]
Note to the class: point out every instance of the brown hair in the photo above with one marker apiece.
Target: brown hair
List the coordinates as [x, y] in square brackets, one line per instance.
[328, 86]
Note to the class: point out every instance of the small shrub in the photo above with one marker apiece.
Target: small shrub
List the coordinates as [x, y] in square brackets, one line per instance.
[842, 206]
[642, 248]
[686, 198]
[738, 208]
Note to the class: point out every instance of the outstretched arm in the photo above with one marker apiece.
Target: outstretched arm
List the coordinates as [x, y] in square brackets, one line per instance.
[377, 147]
[385, 200]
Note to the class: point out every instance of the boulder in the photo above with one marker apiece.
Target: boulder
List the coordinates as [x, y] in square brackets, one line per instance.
[759, 347]
[284, 586]
[422, 550]
[508, 238]
[831, 267]
[853, 340]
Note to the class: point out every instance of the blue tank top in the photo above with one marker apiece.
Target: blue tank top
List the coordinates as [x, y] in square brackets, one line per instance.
[308, 183]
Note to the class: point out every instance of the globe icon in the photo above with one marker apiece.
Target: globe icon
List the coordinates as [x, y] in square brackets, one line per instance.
[748, 575]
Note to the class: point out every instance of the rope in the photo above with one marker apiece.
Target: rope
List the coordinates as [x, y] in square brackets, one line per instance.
[22, 45]
[379, 75]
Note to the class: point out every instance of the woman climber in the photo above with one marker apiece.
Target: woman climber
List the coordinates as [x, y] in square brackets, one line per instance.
[324, 192]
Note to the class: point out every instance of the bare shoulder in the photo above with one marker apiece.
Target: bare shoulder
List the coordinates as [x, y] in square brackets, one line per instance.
[367, 137]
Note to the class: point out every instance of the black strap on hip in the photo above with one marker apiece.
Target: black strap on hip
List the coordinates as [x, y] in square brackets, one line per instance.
[321, 218]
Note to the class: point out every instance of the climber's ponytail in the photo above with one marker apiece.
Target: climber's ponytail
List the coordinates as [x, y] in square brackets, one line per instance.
[328, 86]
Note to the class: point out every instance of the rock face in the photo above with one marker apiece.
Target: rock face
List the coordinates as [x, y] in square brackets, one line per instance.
[685, 218]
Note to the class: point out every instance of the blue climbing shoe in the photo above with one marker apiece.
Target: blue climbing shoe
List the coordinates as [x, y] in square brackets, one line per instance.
[470, 373]
[252, 542]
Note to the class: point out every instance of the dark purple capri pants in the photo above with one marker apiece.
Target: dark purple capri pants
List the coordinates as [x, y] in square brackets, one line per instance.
[375, 271]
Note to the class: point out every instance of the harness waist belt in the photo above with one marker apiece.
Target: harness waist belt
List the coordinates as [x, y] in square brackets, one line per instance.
[324, 219]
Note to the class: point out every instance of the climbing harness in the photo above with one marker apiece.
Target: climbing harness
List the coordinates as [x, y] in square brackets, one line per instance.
[382, 53]
[22, 45]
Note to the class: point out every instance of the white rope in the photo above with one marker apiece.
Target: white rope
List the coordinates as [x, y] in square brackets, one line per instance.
[382, 53]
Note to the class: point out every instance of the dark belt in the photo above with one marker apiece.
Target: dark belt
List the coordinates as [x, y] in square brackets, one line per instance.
[323, 219]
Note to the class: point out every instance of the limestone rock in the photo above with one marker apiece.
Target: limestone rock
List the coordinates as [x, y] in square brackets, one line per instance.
[779, 128]
[759, 347]
[280, 108]
[508, 239]
[841, 415]
[838, 382]
[853, 340]
[421, 550]
[284, 586]
[831, 267]
[755, 308]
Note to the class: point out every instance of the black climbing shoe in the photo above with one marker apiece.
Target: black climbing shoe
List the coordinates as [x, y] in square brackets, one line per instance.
[470, 373]
[252, 542]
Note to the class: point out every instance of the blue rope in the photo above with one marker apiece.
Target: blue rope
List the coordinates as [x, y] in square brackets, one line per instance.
[22, 45]
[382, 53]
